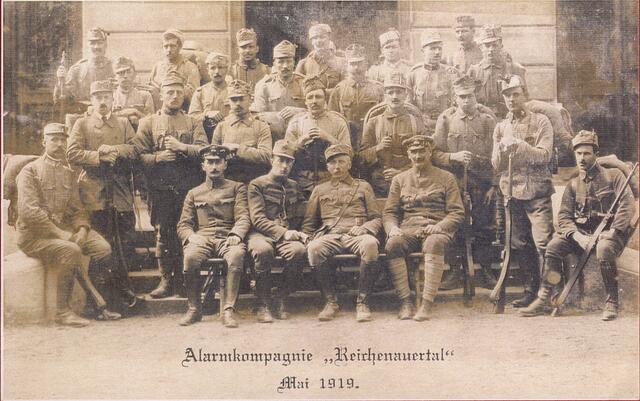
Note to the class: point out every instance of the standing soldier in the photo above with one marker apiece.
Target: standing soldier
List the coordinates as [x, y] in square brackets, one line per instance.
[54, 227]
[312, 132]
[129, 101]
[355, 95]
[168, 143]
[585, 201]
[382, 152]
[172, 40]
[193, 52]
[494, 66]
[274, 206]
[214, 221]
[322, 60]
[248, 138]
[468, 52]
[248, 67]
[430, 83]
[528, 138]
[282, 90]
[74, 86]
[391, 60]
[464, 138]
[209, 103]
[343, 216]
[422, 213]
[100, 144]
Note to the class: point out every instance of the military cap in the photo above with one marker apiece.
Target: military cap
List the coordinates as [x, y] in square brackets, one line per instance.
[245, 36]
[465, 21]
[354, 52]
[418, 142]
[54, 129]
[490, 33]
[284, 49]
[430, 37]
[217, 59]
[101, 86]
[396, 79]
[174, 33]
[284, 148]
[191, 45]
[237, 88]
[216, 152]
[123, 64]
[173, 78]
[97, 33]
[511, 82]
[465, 85]
[585, 137]
[318, 29]
[338, 149]
[389, 36]
[312, 83]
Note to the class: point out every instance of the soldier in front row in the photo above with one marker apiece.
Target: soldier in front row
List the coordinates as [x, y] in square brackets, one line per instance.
[214, 222]
[584, 202]
[275, 204]
[422, 213]
[54, 227]
[343, 216]
[168, 143]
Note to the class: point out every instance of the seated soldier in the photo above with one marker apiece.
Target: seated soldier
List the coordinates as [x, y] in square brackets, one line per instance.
[585, 201]
[274, 206]
[53, 227]
[423, 211]
[343, 217]
[214, 221]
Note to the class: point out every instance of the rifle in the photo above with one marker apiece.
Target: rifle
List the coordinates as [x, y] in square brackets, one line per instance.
[498, 294]
[468, 265]
[63, 63]
[559, 299]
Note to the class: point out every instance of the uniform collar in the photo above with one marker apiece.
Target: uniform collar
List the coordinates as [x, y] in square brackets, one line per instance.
[390, 114]
[168, 113]
[246, 120]
[54, 162]
[100, 62]
[424, 172]
[322, 114]
[347, 180]
[357, 84]
[486, 65]
[468, 46]
[591, 173]
[521, 115]
[216, 183]
[101, 121]
[431, 67]
[251, 65]
[461, 114]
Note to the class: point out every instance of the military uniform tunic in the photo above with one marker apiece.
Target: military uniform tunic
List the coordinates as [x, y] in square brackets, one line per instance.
[77, 84]
[254, 137]
[208, 97]
[379, 72]
[184, 67]
[250, 73]
[135, 98]
[272, 94]
[331, 69]
[489, 74]
[431, 91]
[466, 56]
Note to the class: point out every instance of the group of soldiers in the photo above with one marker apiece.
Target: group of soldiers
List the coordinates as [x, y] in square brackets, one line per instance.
[331, 133]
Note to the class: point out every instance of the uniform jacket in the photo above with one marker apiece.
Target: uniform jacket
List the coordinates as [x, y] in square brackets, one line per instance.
[209, 98]
[48, 200]
[585, 200]
[249, 73]
[184, 67]
[331, 69]
[136, 98]
[182, 174]
[531, 177]
[215, 210]
[274, 206]
[328, 198]
[354, 99]
[488, 74]
[82, 74]
[431, 89]
[418, 198]
[87, 135]
[379, 72]
[465, 57]
[271, 94]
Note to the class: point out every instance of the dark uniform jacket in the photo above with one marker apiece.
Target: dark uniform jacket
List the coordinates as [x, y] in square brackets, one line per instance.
[185, 172]
[87, 135]
[418, 198]
[585, 201]
[274, 206]
[329, 197]
[215, 210]
[48, 199]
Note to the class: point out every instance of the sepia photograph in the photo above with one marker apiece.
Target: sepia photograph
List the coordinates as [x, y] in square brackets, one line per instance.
[409, 199]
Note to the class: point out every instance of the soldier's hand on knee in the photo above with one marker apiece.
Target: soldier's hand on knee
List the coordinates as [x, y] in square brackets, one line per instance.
[581, 239]
[395, 232]
[432, 229]
[293, 235]
[197, 239]
[356, 231]
[233, 240]
[165, 156]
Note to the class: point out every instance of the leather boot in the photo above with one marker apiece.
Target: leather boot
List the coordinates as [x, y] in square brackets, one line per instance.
[551, 278]
[453, 278]
[263, 292]
[424, 312]
[194, 312]
[164, 289]
[406, 309]
[292, 276]
[229, 318]
[68, 318]
[609, 273]
[325, 280]
[280, 309]
[363, 313]
[529, 267]
[106, 314]
[64, 288]
[232, 289]
[369, 272]
[330, 309]
[400, 277]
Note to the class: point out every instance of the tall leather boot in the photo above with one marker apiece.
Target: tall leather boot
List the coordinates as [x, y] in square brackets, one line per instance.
[400, 277]
[551, 278]
[369, 272]
[433, 268]
[263, 292]
[232, 289]
[64, 288]
[194, 312]
[529, 263]
[164, 288]
[290, 284]
[609, 273]
[325, 280]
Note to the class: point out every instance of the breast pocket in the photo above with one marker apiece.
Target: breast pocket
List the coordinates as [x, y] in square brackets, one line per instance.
[327, 200]
[223, 207]
[433, 198]
[201, 213]
[453, 141]
[603, 199]
[185, 136]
